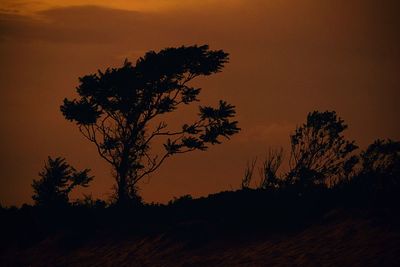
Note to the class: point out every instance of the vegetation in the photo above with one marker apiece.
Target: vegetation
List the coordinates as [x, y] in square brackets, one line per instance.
[269, 170]
[121, 111]
[378, 173]
[58, 179]
[366, 185]
[116, 110]
[320, 156]
[319, 150]
[322, 165]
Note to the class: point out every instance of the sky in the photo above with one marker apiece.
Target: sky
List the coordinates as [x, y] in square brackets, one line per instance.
[287, 58]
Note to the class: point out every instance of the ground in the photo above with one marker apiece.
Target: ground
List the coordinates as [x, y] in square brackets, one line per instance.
[340, 238]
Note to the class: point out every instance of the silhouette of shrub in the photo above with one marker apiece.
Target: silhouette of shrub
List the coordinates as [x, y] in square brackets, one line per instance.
[269, 170]
[182, 200]
[248, 174]
[58, 179]
[90, 203]
[382, 158]
[320, 156]
[379, 175]
[319, 150]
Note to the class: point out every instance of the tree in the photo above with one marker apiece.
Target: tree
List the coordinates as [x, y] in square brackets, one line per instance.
[382, 157]
[58, 179]
[381, 165]
[117, 110]
[319, 151]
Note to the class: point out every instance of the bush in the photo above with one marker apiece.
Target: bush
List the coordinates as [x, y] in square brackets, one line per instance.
[58, 179]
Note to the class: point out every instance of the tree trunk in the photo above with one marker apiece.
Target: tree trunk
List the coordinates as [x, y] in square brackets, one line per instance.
[122, 193]
[125, 197]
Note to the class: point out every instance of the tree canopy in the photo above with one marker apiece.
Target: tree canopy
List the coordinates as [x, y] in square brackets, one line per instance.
[117, 107]
[319, 150]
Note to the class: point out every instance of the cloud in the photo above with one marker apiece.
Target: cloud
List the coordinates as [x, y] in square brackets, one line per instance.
[83, 24]
[98, 25]
[100, 22]
[351, 26]
[32, 6]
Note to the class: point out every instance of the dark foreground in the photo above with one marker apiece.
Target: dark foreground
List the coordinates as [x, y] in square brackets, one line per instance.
[229, 229]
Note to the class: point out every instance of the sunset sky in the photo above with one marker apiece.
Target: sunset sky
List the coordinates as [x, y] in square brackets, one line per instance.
[287, 58]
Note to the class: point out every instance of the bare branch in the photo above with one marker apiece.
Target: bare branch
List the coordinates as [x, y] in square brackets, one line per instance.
[152, 169]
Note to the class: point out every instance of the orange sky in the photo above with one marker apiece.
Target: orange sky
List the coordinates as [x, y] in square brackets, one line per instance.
[287, 58]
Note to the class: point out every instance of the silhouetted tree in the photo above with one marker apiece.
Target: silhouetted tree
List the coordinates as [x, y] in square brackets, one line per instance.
[319, 150]
[382, 156]
[381, 165]
[58, 178]
[117, 108]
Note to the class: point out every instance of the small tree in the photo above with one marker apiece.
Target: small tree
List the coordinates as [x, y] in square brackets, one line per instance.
[319, 150]
[116, 111]
[57, 180]
[381, 165]
[382, 157]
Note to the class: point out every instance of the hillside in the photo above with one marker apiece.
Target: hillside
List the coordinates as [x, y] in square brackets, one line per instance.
[338, 238]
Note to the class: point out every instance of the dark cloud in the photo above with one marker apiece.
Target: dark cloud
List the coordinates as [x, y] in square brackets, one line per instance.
[348, 26]
[83, 24]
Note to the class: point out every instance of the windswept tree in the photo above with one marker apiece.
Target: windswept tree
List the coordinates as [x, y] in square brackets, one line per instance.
[117, 109]
[57, 180]
[319, 150]
[382, 157]
[381, 166]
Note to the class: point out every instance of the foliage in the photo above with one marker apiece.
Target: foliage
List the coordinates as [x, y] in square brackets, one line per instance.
[116, 110]
[248, 173]
[58, 179]
[381, 166]
[89, 202]
[269, 169]
[180, 200]
[320, 155]
[382, 157]
[319, 150]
